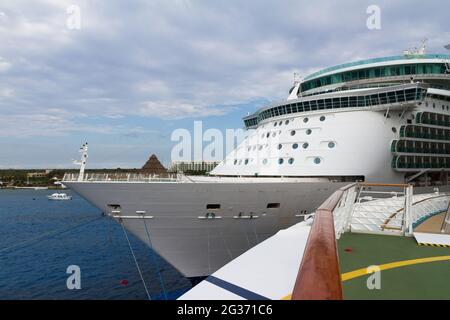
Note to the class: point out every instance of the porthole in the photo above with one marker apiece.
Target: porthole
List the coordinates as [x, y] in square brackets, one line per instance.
[305, 120]
[240, 162]
[331, 144]
[286, 122]
[317, 160]
[268, 134]
[322, 118]
[434, 105]
[249, 148]
[260, 147]
[293, 133]
[394, 129]
[275, 124]
[246, 161]
[291, 161]
[262, 136]
[280, 123]
[308, 132]
[265, 161]
[295, 146]
[280, 161]
[235, 162]
[305, 145]
[280, 146]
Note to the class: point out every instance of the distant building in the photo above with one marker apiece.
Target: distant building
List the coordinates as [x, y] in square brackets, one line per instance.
[153, 166]
[40, 174]
[192, 166]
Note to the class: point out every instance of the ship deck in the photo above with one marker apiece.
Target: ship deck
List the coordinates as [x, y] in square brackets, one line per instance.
[408, 271]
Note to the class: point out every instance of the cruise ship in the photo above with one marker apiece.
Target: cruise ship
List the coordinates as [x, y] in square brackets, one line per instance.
[378, 120]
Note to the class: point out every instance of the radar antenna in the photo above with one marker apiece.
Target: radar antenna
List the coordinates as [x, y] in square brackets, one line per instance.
[82, 163]
[293, 93]
[415, 52]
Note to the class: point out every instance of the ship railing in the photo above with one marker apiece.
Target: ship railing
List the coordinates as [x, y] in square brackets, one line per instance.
[319, 274]
[125, 177]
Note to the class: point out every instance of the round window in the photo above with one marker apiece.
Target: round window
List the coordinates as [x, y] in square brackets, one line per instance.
[305, 120]
[293, 133]
[275, 124]
[260, 147]
[268, 134]
[274, 134]
[265, 161]
[286, 122]
[317, 160]
[394, 129]
[235, 162]
[291, 161]
[331, 145]
[280, 161]
[305, 145]
[246, 161]
[281, 122]
[308, 132]
[322, 118]
[280, 146]
[295, 146]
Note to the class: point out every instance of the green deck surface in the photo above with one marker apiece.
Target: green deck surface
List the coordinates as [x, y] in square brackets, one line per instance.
[420, 281]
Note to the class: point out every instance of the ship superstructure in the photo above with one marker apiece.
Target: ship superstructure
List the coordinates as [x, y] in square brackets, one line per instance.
[384, 119]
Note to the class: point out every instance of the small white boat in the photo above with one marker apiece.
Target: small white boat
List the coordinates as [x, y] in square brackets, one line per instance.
[59, 196]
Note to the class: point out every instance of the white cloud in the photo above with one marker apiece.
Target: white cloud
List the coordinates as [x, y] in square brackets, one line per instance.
[188, 58]
[4, 65]
[177, 110]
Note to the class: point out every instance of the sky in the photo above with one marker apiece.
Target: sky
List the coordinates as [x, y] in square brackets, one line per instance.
[132, 72]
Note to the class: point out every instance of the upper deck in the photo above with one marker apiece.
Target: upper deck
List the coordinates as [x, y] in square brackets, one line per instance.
[377, 70]
[378, 62]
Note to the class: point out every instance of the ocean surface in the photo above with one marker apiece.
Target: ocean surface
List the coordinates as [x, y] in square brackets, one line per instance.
[40, 239]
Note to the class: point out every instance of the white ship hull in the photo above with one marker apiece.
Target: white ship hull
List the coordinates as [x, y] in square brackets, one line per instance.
[178, 230]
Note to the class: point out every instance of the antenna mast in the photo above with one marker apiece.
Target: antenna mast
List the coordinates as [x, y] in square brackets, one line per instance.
[82, 163]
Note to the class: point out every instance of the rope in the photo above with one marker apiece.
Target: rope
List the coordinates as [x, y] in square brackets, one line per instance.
[135, 261]
[161, 281]
[31, 241]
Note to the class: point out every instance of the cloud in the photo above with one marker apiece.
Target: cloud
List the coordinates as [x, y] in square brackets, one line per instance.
[176, 110]
[4, 65]
[140, 62]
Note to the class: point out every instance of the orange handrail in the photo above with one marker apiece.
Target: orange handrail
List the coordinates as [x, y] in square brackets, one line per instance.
[319, 276]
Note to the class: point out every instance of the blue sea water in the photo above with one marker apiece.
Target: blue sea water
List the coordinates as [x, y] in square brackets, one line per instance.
[34, 267]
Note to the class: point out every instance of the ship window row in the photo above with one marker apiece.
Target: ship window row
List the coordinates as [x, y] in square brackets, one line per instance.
[410, 146]
[376, 72]
[251, 122]
[345, 102]
[431, 118]
[420, 162]
[280, 146]
[421, 132]
[280, 161]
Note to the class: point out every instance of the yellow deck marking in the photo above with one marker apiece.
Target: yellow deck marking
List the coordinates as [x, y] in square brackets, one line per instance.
[392, 265]
[363, 271]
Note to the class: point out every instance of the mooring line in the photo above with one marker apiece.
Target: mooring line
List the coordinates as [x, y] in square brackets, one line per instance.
[135, 261]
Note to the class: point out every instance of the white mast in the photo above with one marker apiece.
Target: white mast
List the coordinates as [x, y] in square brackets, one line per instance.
[82, 163]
